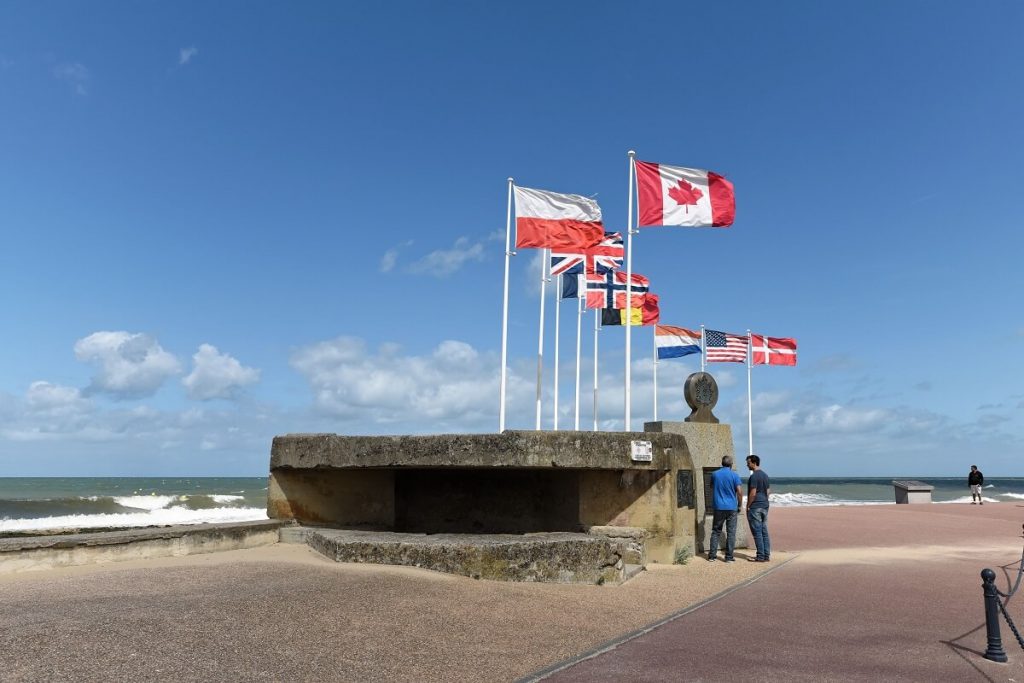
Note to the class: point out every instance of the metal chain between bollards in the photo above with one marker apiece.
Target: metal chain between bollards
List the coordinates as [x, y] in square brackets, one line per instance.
[1013, 627]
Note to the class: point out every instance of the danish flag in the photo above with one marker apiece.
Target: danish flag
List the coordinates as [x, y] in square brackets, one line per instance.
[772, 350]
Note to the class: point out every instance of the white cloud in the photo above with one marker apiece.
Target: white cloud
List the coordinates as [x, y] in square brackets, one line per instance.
[75, 75]
[444, 262]
[453, 387]
[54, 399]
[186, 54]
[130, 365]
[217, 375]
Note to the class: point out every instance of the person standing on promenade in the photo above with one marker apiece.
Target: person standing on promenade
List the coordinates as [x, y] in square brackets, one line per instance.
[975, 479]
[758, 489]
[728, 492]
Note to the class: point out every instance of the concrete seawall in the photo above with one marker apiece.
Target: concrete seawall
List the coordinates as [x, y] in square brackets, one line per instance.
[32, 553]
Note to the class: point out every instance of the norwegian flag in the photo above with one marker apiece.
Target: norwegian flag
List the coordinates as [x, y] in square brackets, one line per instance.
[603, 257]
[608, 290]
[772, 350]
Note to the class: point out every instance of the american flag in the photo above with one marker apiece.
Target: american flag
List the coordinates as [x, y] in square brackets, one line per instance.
[608, 290]
[604, 256]
[722, 347]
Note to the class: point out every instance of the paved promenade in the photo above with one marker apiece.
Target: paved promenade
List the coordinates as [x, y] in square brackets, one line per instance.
[878, 593]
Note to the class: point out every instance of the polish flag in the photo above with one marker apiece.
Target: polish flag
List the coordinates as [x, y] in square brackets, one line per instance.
[561, 222]
[673, 195]
[772, 350]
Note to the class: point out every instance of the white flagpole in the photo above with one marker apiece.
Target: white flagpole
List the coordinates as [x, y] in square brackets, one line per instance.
[703, 350]
[558, 313]
[750, 415]
[629, 286]
[540, 334]
[654, 336]
[597, 320]
[504, 311]
[579, 332]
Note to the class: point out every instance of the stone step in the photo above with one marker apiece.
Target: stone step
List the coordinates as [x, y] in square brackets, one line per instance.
[557, 557]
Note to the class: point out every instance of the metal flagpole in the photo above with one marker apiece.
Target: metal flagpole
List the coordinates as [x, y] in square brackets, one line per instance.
[629, 285]
[750, 415]
[504, 311]
[579, 332]
[540, 334]
[654, 336]
[558, 313]
[597, 319]
[703, 350]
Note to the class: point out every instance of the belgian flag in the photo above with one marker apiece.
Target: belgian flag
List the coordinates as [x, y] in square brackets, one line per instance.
[649, 314]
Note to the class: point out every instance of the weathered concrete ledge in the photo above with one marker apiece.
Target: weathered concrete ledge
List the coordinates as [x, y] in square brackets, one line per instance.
[510, 449]
[557, 557]
[47, 552]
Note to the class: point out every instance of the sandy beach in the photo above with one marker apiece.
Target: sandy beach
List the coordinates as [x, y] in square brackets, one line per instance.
[853, 593]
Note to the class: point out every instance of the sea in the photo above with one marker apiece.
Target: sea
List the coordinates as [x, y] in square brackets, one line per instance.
[53, 504]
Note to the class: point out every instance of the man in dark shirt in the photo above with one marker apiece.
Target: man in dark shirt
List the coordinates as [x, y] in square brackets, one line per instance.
[975, 479]
[758, 488]
[727, 489]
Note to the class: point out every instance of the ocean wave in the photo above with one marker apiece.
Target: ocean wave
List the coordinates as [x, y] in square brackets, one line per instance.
[150, 502]
[157, 517]
[225, 498]
[1018, 496]
[815, 499]
[990, 486]
[967, 499]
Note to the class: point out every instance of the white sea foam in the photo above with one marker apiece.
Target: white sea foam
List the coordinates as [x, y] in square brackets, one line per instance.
[815, 499]
[151, 502]
[1018, 496]
[990, 486]
[225, 498]
[967, 499]
[157, 517]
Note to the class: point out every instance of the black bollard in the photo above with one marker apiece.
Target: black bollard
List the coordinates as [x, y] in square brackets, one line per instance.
[995, 650]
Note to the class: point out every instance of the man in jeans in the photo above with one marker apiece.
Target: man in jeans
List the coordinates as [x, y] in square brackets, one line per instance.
[728, 491]
[758, 488]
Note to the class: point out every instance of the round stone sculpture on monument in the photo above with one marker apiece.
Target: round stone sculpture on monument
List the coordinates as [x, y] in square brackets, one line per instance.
[701, 393]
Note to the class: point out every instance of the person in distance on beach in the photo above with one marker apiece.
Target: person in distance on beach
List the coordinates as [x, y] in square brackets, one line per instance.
[728, 492]
[758, 488]
[975, 479]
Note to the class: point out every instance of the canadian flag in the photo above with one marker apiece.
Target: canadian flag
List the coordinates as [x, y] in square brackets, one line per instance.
[673, 195]
[772, 350]
[561, 222]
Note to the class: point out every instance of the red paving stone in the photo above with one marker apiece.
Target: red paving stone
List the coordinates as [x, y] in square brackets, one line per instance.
[911, 610]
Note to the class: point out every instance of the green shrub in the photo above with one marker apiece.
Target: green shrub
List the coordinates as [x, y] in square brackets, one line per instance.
[683, 555]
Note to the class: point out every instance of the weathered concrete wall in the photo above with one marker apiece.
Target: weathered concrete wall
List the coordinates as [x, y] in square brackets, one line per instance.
[554, 557]
[359, 499]
[48, 552]
[632, 498]
[510, 449]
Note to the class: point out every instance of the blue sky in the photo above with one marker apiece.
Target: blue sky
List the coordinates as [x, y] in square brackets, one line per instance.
[226, 221]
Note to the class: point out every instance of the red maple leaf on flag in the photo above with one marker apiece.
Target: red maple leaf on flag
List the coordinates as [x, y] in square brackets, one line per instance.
[685, 194]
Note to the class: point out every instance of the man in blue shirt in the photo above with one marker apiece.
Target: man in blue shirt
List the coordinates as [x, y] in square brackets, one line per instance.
[728, 491]
[758, 488]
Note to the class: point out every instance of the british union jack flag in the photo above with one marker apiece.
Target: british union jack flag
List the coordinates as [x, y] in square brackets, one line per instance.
[603, 257]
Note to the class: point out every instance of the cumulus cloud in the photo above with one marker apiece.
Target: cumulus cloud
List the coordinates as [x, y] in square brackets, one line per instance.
[444, 262]
[186, 54]
[129, 365]
[75, 75]
[217, 375]
[454, 386]
[54, 399]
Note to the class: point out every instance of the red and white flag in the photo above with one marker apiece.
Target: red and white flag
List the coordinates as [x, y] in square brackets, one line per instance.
[772, 350]
[562, 222]
[673, 195]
